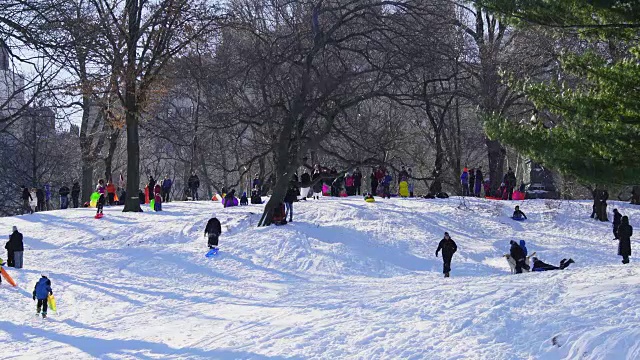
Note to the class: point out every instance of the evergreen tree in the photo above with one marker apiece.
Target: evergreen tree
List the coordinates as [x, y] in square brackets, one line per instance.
[588, 120]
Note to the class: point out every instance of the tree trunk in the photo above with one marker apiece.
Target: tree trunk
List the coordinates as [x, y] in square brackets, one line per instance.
[132, 203]
[108, 160]
[87, 181]
[496, 154]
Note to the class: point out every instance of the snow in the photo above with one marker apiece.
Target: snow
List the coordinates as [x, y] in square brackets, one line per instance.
[347, 279]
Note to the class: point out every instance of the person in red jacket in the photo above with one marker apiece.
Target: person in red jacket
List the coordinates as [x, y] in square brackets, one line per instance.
[157, 196]
[111, 193]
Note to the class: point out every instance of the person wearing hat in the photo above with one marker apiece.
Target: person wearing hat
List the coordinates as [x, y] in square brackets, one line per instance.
[15, 249]
[213, 231]
[448, 247]
[41, 291]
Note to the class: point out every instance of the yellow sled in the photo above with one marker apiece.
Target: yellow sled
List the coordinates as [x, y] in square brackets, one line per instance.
[52, 303]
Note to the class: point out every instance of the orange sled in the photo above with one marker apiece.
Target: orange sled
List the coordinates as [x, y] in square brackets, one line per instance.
[6, 276]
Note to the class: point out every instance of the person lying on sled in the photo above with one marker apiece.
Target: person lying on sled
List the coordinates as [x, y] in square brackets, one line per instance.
[539, 265]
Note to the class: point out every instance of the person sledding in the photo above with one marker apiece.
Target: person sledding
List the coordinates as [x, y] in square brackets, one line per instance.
[518, 254]
[102, 190]
[539, 265]
[518, 214]
[448, 247]
[369, 198]
[212, 231]
[41, 292]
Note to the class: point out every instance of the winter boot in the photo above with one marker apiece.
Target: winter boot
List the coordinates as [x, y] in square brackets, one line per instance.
[446, 274]
[44, 315]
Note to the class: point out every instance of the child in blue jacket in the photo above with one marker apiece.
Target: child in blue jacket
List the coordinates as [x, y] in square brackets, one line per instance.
[41, 291]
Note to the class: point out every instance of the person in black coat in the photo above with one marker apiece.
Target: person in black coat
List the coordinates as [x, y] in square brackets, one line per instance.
[448, 247]
[374, 184]
[625, 231]
[15, 249]
[213, 231]
[539, 265]
[64, 196]
[518, 255]
[194, 183]
[290, 198]
[617, 218]
[75, 194]
[40, 198]
[357, 181]
[26, 201]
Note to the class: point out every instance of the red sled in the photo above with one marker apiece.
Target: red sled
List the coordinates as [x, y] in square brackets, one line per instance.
[99, 216]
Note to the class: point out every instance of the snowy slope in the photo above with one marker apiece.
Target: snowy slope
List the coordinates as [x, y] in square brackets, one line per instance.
[346, 279]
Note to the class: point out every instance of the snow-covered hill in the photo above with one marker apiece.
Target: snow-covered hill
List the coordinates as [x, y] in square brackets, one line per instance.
[346, 279]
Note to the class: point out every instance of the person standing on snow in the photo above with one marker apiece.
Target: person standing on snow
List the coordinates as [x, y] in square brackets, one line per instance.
[510, 183]
[472, 181]
[374, 183]
[15, 249]
[403, 175]
[26, 201]
[357, 182]
[386, 184]
[448, 247]
[479, 181]
[518, 255]
[47, 196]
[157, 198]
[464, 182]
[166, 188]
[617, 219]
[152, 187]
[41, 199]
[410, 182]
[75, 194]
[213, 231]
[194, 184]
[305, 185]
[625, 231]
[64, 196]
[41, 291]
[111, 193]
[289, 198]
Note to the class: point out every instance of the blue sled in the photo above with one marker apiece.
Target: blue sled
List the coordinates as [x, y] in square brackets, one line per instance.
[213, 252]
[518, 219]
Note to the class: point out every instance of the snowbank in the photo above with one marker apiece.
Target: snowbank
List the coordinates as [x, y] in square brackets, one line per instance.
[346, 279]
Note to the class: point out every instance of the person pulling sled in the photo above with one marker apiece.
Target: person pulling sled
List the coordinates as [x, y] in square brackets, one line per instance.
[212, 231]
[41, 292]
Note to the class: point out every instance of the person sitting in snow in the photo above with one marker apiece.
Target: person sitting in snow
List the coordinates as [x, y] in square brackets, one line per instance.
[243, 199]
[519, 256]
[368, 196]
[229, 198]
[279, 216]
[448, 247]
[518, 214]
[213, 231]
[539, 265]
[41, 291]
